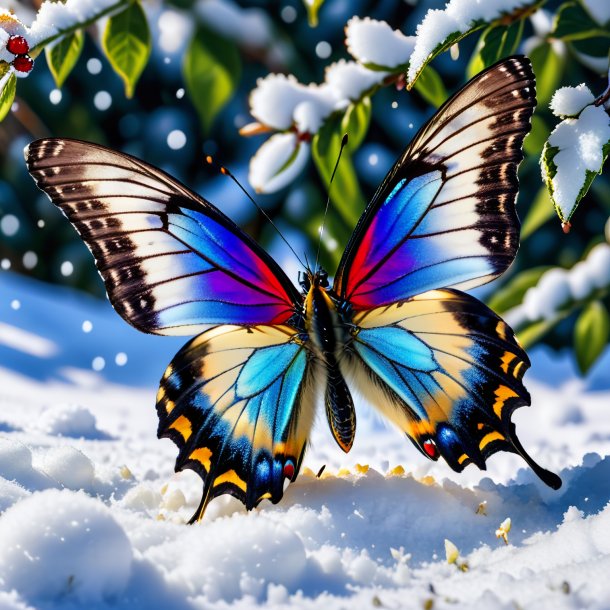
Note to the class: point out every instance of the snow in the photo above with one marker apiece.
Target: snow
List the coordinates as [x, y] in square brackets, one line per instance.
[60, 544]
[457, 17]
[369, 532]
[276, 97]
[52, 18]
[599, 10]
[70, 420]
[569, 101]
[280, 102]
[250, 27]
[374, 42]
[580, 142]
[436, 27]
[277, 162]
[349, 80]
[558, 287]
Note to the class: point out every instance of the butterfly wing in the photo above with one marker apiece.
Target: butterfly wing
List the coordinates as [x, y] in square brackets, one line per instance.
[172, 262]
[448, 372]
[445, 215]
[237, 402]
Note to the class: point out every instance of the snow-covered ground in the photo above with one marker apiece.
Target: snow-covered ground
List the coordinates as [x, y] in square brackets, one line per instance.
[94, 517]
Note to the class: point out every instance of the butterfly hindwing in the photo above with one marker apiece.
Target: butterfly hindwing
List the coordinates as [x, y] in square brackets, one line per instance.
[445, 214]
[238, 403]
[447, 371]
[172, 262]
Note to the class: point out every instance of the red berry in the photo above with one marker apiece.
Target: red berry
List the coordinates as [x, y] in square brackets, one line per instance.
[23, 63]
[17, 45]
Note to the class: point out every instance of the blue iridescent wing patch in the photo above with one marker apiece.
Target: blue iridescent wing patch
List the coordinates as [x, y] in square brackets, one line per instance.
[173, 264]
[445, 214]
[237, 402]
[448, 372]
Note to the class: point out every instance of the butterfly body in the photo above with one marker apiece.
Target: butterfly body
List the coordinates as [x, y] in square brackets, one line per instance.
[328, 332]
[239, 399]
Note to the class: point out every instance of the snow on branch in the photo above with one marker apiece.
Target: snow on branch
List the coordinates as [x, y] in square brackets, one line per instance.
[376, 45]
[280, 103]
[440, 29]
[569, 101]
[559, 290]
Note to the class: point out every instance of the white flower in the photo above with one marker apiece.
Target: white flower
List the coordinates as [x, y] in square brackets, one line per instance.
[375, 42]
[569, 101]
[277, 162]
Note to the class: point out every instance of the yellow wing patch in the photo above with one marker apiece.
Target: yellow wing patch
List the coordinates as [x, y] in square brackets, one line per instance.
[183, 426]
[202, 455]
[502, 394]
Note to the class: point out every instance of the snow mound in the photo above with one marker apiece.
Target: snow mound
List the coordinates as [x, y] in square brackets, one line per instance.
[61, 544]
[70, 420]
[16, 465]
[69, 467]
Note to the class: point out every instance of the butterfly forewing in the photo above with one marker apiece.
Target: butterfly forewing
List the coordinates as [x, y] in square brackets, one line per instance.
[445, 214]
[172, 263]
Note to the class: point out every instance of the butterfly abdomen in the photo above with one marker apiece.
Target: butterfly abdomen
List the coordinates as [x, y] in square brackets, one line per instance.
[326, 333]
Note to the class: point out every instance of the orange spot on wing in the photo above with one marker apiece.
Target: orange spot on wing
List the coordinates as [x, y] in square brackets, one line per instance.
[183, 425]
[502, 394]
[230, 477]
[202, 455]
[507, 358]
[490, 438]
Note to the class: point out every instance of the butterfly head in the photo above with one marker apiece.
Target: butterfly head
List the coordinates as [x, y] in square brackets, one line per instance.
[308, 278]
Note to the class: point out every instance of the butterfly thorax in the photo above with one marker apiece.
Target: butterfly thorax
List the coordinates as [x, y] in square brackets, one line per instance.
[327, 336]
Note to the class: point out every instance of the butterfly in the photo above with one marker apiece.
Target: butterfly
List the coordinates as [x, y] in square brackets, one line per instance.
[239, 399]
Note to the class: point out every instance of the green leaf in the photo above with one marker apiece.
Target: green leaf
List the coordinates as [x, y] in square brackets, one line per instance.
[7, 93]
[573, 22]
[535, 139]
[212, 69]
[355, 123]
[495, 43]
[532, 333]
[550, 169]
[548, 68]
[62, 57]
[591, 334]
[126, 42]
[431, 87]
[540, 212]
[313, 6]
[512, 294]
[345, 193]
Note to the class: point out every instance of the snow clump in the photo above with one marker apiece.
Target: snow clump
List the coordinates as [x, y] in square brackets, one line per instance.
[66, 545]
[569, 101]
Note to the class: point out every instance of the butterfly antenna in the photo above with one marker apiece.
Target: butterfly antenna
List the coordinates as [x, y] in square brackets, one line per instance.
[226, 172]
[343, 145]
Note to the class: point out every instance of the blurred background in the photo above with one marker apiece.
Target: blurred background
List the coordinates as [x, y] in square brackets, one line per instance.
[160, 125]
